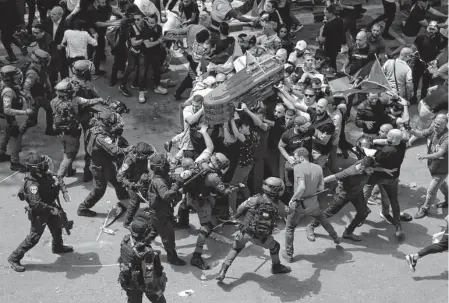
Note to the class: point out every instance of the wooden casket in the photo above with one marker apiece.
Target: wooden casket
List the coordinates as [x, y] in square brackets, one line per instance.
[252, 84]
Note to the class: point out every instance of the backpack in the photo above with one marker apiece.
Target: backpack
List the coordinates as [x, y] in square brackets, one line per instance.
[261, 219]
[65, 116]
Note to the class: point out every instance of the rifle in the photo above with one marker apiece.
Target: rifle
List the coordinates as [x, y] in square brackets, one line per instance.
[68, 225]
[201, 173]
[301, 201]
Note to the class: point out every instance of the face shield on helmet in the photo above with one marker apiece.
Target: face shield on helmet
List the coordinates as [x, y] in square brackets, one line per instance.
[83, 69]
[219, 162]
[40, 57]
[273, 187]
[41, 164]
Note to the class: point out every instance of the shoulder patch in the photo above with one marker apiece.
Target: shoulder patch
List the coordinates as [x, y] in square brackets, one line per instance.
[108, 140]
[7, 101]
[33, 189]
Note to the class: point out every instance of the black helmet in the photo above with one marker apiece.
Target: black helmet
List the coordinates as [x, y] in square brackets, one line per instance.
[273, 187]
[144, 150]
[119, 107]
[11, 74]
[111, 121]
[158, 161]
[83, 69]
[37, 163]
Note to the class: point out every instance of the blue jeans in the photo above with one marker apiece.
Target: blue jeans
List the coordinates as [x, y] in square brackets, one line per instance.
[438, 182]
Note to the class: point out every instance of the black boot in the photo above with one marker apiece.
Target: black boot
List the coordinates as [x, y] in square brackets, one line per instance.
[85, 212]
[280, 269]
[176, 261]
[222, 274]
[63, 249]
[15, 264]
[198, 261]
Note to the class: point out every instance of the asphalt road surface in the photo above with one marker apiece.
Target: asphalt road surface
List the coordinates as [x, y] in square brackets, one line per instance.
[373, 270]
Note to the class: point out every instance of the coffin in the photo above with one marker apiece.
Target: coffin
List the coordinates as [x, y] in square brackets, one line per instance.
[252, 84]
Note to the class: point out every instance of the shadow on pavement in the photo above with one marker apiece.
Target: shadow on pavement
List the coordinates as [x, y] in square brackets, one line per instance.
[74, 264]
[442, 276]
[329, 259]
[286, 287]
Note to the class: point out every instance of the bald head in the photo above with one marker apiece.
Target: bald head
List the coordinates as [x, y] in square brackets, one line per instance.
[321, 106]
[384, 129]
[360, 39]
[405, 53]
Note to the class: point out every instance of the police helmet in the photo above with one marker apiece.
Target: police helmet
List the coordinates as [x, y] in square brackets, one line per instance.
[40, 57]
[219, 161]
[158, 161]
[273, 187]
[144, 150]
[11, 74]
[83, 69]
[37, 163]
[64, 88]
[119, 107]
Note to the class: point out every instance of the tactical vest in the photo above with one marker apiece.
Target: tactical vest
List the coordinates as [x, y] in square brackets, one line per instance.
[138, 168]
[17, 100]
[65, 116]
[91, 137]
[46, 189]
[260, 220]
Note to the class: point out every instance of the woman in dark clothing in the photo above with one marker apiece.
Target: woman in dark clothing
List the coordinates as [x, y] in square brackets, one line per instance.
[284, 35]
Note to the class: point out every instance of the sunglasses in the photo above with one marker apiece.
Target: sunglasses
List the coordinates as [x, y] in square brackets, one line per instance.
[309, 95]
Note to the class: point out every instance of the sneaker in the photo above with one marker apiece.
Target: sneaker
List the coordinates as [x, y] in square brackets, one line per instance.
[387, 218]
[142, 97]
[399, 233]
[160, 90]
[443, 204]
[287, 257]
[387, 36]
[310, 232]
[411, 262]
[197, 261]
[421, 213]
[124, 90]
[351, 237]
[222, 274]
[168, 145]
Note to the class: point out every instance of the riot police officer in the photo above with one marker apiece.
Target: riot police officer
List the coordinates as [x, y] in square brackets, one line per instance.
[160, 194]
[141, 270]
[199, 196]
[259, 219]
[11, 106]
[134, 165]
[40, 192]
[103, 152]
[37, 84]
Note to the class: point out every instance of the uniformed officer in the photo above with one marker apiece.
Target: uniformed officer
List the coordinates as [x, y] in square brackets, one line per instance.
[103, 152]
[37, 85]
[66, 108]
[11, 106]
[259, 219]
[40, 192]
[200, 197]
[156, 186]
[134, 165]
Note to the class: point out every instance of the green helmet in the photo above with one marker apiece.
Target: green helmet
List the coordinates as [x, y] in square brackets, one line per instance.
[63, 89]
[11, 74]
[273, 187]
[40, 56]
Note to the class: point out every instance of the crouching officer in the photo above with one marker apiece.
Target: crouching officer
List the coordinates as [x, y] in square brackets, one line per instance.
[134, 166]
[161, 195]
[40, 192]
[141, 270]
[260, 213]
[11, 106]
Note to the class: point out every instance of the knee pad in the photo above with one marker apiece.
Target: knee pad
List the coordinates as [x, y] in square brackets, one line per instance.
[275, 250]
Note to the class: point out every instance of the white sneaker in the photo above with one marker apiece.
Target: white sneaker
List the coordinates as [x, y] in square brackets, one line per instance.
[160, 90]
[142, 97]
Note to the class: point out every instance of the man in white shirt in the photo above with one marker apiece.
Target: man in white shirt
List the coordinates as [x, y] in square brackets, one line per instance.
[399, 74]
[75, 41]
[296, 58]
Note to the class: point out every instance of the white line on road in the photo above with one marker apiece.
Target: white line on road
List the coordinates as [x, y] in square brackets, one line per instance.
[9, 176]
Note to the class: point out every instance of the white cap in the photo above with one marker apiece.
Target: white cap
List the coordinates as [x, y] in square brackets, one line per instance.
[301, 45]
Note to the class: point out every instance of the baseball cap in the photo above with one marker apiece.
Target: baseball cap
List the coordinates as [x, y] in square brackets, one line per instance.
[301, 45]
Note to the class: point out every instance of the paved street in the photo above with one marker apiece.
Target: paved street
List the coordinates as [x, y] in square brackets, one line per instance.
[373, 270]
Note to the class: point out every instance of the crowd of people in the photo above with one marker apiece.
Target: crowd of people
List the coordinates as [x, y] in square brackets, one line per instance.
[272, 158]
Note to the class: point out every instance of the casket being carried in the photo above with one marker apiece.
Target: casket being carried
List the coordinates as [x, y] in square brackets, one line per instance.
[252, 84]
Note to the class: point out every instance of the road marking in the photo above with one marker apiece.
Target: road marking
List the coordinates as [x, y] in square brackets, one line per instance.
[9, 176]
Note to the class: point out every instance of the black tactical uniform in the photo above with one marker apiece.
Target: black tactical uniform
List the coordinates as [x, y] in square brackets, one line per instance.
[140, 267]
[156, 187]
[103, 153]
[134, 166]
[40, 192]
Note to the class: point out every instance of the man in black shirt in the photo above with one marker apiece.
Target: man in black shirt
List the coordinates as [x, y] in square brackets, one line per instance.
[333, 35]
[417, 18]
[389, 157]
[96, 16]
[298, 136]
[371, 115]
[428, 46]
[189, 11]
[359, 55]
[277, 128]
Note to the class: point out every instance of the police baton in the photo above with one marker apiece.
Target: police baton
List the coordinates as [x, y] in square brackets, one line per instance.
[301, 201]
[141, 197]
